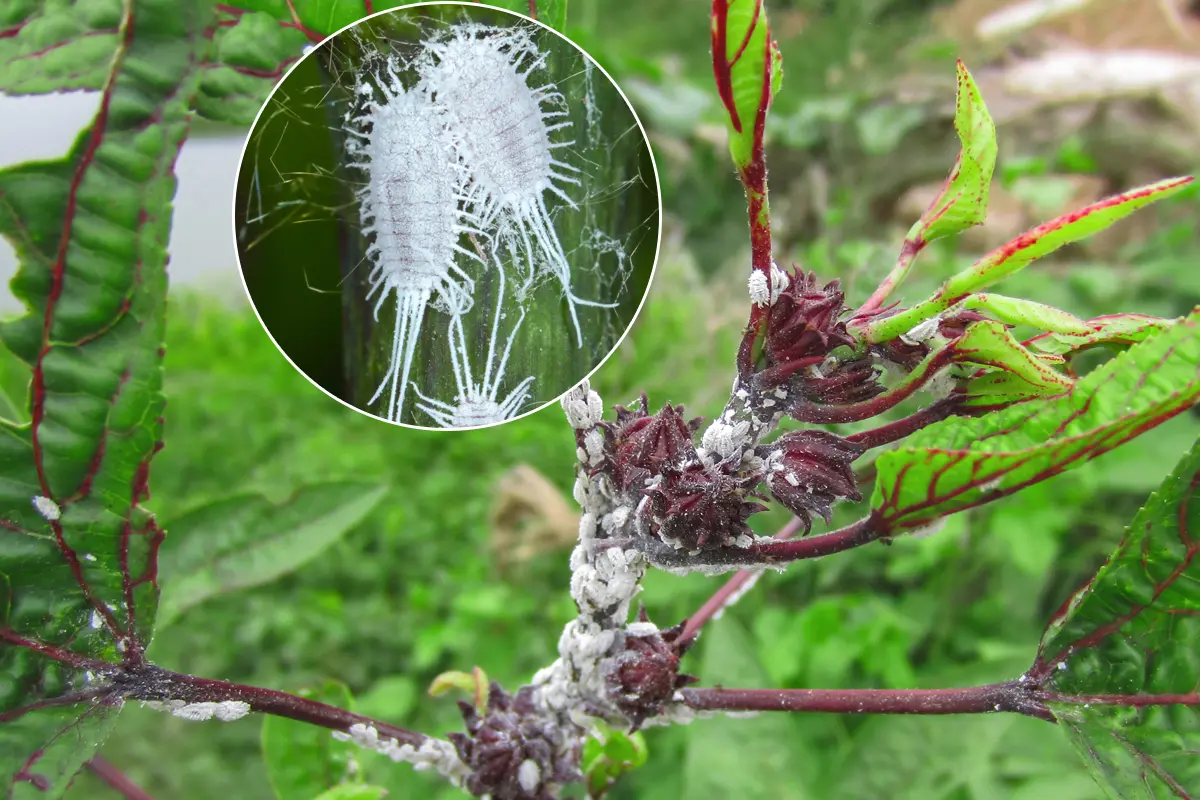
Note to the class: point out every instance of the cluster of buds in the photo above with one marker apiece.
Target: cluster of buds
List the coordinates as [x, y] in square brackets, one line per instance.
[688, 501]
[513, 752]
[644, 676]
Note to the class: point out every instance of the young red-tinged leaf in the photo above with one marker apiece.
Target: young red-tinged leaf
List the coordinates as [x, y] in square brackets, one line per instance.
[475, 683]
[1016, 311]
[1121, 659]
[964, 198]
[747, 70]
[1049, 236]
[1016, 369]
[1118, 329]
[964, 462]
[78, 554]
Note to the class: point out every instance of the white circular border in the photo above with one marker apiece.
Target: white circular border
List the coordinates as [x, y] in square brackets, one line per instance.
[308, 51]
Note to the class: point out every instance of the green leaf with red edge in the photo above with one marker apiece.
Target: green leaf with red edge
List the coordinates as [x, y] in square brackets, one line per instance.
[251, 52]
[961, 463]
[1115, 329]
[1049, 236]
[57, 47]
[1014, 372]
[963, 200]
[748, 71]
[90, 231]
[1122, 657]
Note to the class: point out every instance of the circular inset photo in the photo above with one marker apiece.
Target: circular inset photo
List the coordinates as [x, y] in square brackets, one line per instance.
[447, 215]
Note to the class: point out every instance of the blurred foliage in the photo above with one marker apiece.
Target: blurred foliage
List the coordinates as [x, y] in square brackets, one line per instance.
[411, 591]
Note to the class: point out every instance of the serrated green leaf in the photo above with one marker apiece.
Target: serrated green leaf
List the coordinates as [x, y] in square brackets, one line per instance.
[246, 541]
[1017, 311]
[743, 63]
[302, 759]
[1129, 641]
[1120, 329]
[1049, 236]
[1019, 374]
[248, 58]
[57, 47]
[1019, 253]
[964, 199]
[90, 231]
[964, 462]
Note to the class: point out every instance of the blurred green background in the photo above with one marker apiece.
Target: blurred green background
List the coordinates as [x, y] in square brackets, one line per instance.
[861, 128]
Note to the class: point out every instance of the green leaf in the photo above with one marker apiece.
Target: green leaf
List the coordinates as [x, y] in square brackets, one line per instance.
[1016, 311]
[750, 759]
[248, 58]
[1119, 329]
[1049, 236]
[964, 199]
[475, 683]
[965, 462]
[353, 791]
[79, 592]
[607, 755]
[246, 541]
[57, 47]
[303, 759]
[1123, 654]
[1017, 372]
[1019, 253]
[748, 70]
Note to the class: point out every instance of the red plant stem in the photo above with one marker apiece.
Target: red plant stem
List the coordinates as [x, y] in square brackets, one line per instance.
[721, 597]
[865, 531]
[908, 251]
[901, 428]
[167, 685]
[991, 698]
[116, 779]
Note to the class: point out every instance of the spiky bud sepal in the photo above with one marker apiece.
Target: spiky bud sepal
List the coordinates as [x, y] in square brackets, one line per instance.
[702, 505]
[512, 751]
[645, 445]
[808, 471]
[644, 676]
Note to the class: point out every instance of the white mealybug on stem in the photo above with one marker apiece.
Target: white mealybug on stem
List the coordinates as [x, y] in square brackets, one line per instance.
[412, 206]
[501, 128]
[476, 403]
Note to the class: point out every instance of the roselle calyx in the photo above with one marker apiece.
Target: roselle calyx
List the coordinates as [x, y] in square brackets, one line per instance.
[803, 328]
[644, 676]
[513, 752]
[703, 505]
[809, 470]
[646, 445]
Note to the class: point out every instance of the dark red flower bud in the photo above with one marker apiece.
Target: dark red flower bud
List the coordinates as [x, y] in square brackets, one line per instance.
[805, 321]
[853, 381]
[699, 506]
[512, 752]
[807, 471]
[646, 445]
[644, 676]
